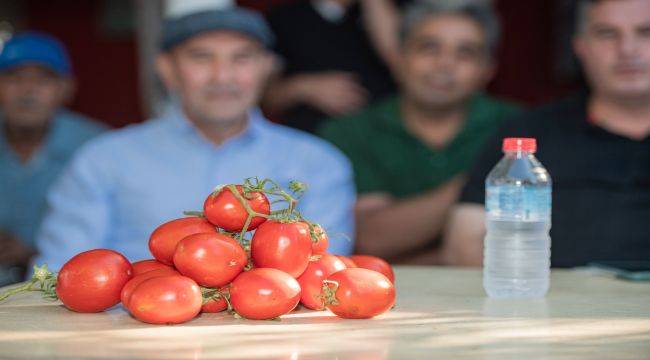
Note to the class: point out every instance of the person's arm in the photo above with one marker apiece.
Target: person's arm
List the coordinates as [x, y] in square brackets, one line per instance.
[78, 217]
[381, 21]
[334, 93]
[283, 92]
[387, 227]
[462, 244]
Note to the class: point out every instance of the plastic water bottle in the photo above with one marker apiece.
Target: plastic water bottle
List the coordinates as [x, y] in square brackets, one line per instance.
[517, 251]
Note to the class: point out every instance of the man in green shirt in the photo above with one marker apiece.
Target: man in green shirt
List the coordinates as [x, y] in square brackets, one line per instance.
[410, 152]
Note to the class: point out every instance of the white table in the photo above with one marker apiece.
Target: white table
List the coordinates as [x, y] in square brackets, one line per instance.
[441, 313]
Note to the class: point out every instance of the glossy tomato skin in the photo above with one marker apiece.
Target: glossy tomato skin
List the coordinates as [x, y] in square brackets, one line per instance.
[91, 281]
[210, 259]
[143, 266]
[163, 241]
[323, 242]
[171, 299]
[282, 246]
[374, 263]
[346, 260]
[226, 212]
[311, 281]
[264, 293]
[361, 293]
[128, 288]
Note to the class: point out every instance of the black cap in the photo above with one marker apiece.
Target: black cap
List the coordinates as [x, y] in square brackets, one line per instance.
[248, 22]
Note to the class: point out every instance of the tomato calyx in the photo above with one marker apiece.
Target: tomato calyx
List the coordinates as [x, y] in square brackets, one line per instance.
[315, 231]
[43, 280]
[214, 294]
[328, 293]
[273, 190]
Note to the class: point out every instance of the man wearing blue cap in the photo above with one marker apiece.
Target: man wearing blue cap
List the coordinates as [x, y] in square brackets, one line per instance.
[121, 186]
[37, 137]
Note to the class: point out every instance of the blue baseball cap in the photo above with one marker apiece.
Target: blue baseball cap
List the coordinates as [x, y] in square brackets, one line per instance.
[35, 48]
[248, 22]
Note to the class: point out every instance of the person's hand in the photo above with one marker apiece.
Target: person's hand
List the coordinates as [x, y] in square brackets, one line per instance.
[13, 251]
[334, 93]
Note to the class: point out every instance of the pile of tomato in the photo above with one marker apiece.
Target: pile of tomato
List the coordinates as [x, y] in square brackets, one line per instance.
[237, 255]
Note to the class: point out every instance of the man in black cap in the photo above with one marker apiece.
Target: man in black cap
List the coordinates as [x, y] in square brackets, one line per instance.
[123, 185]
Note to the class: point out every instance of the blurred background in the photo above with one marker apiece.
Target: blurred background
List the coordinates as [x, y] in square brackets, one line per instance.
[112, 44]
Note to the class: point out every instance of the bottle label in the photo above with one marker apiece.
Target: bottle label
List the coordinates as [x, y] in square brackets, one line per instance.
[512, 202]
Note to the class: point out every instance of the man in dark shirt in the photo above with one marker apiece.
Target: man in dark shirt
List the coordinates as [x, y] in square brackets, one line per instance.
[335, 56]
[596, 147]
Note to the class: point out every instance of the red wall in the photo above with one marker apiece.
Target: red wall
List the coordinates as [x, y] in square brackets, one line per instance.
[105, 66]
[526, 70]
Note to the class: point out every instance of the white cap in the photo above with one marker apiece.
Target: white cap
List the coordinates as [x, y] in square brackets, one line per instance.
[178, 8]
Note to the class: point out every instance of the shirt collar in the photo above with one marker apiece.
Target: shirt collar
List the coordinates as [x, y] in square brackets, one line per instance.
[176, 118]
[391, 115]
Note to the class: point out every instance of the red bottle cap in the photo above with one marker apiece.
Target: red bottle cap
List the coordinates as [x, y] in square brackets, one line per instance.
[520, 144]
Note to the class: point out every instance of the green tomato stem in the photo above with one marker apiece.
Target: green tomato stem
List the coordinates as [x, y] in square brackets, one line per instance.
[17, 290]
[45, 279]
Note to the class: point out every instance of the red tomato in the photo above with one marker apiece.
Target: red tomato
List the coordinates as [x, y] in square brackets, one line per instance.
[92, 280]
[224, 210]
[320, 246]
[282, 246]
[346, 260]
[164, 239]
[361, 293]
[211, 260]
[311, 281]
[128, 288]
[215, 306]
[374, 263]
[264, 293]
[143, 266]
[171, 299]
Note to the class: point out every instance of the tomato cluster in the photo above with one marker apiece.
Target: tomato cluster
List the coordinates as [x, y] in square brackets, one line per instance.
[238, 255]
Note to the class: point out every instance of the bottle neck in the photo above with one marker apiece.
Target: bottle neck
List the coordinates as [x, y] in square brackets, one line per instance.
[520, 154]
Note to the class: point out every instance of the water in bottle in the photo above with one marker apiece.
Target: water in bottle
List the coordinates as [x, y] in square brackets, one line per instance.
[517, 247]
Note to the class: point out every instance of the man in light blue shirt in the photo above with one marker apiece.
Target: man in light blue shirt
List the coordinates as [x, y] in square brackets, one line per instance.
[123, 185]
[37, 139]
